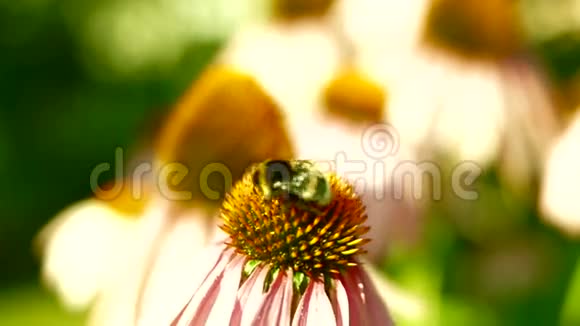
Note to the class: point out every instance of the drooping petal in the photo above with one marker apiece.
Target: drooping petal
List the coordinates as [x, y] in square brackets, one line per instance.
[198, 308]
[285, 312]
[339, 300]
[276, 307]
[250, 297]
[401, 301]
[303, 305]
[374, 306]
[356, 309]
[174, 277]
[221, 310]
[314, 308]
[539, 122]
[532, 124]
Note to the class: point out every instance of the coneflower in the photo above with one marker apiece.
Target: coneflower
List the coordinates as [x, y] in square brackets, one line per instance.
[286, 260]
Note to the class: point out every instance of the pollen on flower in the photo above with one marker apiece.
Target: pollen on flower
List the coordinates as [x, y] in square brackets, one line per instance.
[320, 242]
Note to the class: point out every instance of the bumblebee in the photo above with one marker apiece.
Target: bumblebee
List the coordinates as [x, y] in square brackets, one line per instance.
[298, 180]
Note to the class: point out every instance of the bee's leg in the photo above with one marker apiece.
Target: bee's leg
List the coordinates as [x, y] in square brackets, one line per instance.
[316, 210]
[307, 207]
[286, 207]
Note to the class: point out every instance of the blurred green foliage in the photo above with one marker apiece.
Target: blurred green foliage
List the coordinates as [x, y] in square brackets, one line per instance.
[63, 110]
[58, 121]
[28, 305]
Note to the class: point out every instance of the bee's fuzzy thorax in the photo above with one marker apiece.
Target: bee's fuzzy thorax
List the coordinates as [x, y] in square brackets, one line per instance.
[290, 234]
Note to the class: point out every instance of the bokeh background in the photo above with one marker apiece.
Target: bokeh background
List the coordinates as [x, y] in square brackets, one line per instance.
[81, 78]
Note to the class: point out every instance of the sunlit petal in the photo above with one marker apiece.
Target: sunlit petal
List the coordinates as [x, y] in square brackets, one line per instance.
[100, 236]
[559, 195]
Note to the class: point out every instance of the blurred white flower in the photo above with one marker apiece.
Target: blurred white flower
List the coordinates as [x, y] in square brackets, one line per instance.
[95, 253]
[123, 254]
[93, 240]
[460, 82]
[558, 200]
[145, 278]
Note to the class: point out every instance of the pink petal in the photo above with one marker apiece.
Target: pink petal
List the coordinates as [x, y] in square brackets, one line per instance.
[221, 310]
[250, 298]
[377, 308]
[314, 307]
[276, 307]
[339, 300]
[301, 311]
[173, 279]
[355, 301]
[373, 308]
[200, 303]
[285, 312]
